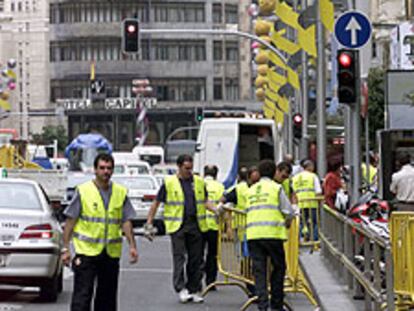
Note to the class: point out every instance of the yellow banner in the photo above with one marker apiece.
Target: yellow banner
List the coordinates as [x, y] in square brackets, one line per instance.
[307, 40]
[287, 14]
[284, 44]
[275, 59]
[93, 71]
[293, 78]
[326, 9]
[282, 102]
[276, 78]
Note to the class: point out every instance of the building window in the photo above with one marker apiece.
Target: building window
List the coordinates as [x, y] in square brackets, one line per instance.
[232, 89]
[232, 16]
[232, 51]
[217, 51]
[218, 89]
[217, 17]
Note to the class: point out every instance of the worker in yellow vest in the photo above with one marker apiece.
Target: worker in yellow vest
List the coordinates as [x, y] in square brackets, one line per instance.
[282, 177]
[306, 186]
[185, 202]
[237, 196]
[215, 192]
[371, 180]
[269, 214]
[98, 213]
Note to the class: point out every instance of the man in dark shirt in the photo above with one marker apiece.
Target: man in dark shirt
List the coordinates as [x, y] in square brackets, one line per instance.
[184, 228]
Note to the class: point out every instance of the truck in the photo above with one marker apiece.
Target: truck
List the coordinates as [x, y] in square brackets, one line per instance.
[230, 143]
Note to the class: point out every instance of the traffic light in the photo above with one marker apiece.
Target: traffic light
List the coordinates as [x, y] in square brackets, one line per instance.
[130, 35]
[347, 76]
[297, 125]
[199, 114]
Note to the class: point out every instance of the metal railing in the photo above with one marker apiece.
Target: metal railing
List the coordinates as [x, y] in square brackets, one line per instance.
[361, 258]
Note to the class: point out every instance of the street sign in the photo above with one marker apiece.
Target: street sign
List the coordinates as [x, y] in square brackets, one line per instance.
[353, 29]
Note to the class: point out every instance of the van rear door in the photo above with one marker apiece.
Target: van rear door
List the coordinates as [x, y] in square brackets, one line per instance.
[218, 146]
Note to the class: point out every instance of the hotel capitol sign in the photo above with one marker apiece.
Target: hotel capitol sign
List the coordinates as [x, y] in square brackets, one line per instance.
[70, 104]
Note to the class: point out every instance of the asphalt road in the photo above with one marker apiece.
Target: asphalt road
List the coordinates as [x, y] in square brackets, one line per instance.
[145, 286]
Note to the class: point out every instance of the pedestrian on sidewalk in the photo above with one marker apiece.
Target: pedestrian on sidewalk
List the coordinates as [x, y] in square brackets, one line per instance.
[215, 192]
[185, 202]
[269, 214]
[96, 217]
[306, 186]
[332, 183]
[402, 184]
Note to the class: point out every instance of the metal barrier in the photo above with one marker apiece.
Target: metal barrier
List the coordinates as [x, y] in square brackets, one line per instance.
[402, 241]
[235, 265]
[361, 258]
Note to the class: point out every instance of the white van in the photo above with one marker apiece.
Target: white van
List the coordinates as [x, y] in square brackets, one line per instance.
[151, 154]
[129, 164]
[231, 143]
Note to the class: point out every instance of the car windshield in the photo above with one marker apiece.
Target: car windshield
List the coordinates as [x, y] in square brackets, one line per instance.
[138, 169]
[19, 196]
[141, 183]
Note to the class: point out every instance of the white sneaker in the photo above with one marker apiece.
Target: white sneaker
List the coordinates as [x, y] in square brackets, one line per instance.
[184, 295]
[197, 298]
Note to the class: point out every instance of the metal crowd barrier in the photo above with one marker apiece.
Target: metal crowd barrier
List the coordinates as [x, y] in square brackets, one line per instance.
[235, 265]
[309, 230]
[402, 241]
[361, 258]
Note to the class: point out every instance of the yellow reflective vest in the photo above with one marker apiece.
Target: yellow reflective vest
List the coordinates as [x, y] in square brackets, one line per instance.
[372, 173]
[286, 187]
[241, 191]
[215, 192]
[98, 228]
[303, 185]
[264, 218]
[174, 205]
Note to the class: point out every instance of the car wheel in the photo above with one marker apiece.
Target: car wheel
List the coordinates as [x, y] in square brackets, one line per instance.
[49, 290]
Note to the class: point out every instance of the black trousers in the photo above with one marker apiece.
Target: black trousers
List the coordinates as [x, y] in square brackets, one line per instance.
[259, 251]
[210, 262]
[88, 269]
[187, 245]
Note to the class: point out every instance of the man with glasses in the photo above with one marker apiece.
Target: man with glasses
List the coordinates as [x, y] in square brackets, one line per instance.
[96, 217]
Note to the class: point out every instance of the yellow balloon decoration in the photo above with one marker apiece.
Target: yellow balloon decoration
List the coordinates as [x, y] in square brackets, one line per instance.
[267, 6]
[262, 28]
[262, 69]
[260, 81]
[260, 94]
[262, 57]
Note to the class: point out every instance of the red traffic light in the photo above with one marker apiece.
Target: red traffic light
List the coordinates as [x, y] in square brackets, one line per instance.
[345, 60]
[297, 118]
[131, 28]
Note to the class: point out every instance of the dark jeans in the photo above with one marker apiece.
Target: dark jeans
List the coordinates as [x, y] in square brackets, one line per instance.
[88, 269]
[260, 250]
[187, 242]
[210, 263]
[311, 223]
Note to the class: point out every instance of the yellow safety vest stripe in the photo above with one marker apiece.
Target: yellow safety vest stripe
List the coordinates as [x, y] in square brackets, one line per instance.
[304, 186]
[215, 192]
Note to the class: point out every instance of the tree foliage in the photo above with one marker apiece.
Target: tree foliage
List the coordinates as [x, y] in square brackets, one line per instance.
[49, 134]
[376, 101]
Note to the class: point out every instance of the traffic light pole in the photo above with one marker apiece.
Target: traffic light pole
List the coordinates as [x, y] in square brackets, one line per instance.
[320, 97]
[355, 139]
[304, 143]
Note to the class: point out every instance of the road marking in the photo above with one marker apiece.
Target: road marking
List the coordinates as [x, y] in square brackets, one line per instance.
[151, 270]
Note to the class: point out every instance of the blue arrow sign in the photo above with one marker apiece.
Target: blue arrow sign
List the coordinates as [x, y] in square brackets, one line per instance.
[353, 29]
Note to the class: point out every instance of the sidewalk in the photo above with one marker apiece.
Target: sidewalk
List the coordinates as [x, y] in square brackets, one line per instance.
[329, 292]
